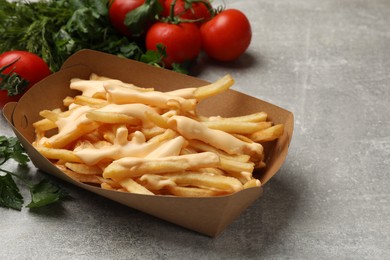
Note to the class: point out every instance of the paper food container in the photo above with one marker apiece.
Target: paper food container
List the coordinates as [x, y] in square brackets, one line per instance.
[209, 216]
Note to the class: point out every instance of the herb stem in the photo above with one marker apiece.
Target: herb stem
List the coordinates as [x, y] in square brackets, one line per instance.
[28, 184]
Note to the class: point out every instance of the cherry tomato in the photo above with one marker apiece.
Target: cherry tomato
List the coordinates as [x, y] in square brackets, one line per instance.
[182, 41]
[28, 66]
[227, 35]
[189, 9]
[118, 10]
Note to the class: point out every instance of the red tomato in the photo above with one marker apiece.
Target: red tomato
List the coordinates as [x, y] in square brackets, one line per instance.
[182, 41]
[118, 10]
[227, 35]
[29, 67]
[197, 10]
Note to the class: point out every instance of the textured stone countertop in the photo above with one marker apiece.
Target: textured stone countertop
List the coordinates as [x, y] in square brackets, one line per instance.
[326, 61]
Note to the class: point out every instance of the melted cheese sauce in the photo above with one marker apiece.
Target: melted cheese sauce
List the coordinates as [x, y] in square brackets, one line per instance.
[68, 125]
[87, 87]
[131, 152]
[121, 95]
[134, 167]
[192, 129]
[134, 110]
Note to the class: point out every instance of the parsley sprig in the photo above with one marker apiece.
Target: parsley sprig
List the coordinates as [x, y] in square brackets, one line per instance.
[56, 29]
[12, 82]
[43, 193]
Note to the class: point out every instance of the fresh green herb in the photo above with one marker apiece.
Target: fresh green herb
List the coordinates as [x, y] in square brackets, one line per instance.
[154, 57]
[10, 196]
[43, 193]
[142, 15]
[12, 82]
[56, 29]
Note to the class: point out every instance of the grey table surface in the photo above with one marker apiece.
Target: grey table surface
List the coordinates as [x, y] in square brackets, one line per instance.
[326, 61]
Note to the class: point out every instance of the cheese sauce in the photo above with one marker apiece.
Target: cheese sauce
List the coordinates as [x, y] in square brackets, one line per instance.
[68, 125]
[121, 95]
[87, 87]
[134, 110]
[132, 153]
[192, 129]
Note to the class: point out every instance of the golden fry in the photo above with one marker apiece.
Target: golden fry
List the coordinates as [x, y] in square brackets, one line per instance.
[255, 117]
[44, 125]
[58, 154]
[214, 88]
[268, 134]
[112, 118]
[84, 169]
[135, 167]
[237, 127]
[194, 192]
[126, 138]
[133, 187]
[198, 179]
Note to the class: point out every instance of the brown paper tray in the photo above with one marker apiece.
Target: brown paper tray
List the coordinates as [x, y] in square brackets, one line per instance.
[209, 216]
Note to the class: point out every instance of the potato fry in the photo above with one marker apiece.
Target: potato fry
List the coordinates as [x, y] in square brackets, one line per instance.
[252, 183]
[135, 167]
[112, 118]
[106, 186]
[84, 169]
[58, 154]
[214, 88]
[255, 117]
[50, 115]
[90, 101]
[159, 182]
[85, 178]
[215, 171]
[113, 184]
[125, 138]
[194, 192]
[133, 187]
[197, 179]
[268, 134]
[192, 129]
[121, 95]
[237, 127]
[68, 101]
[44, 125]
[115, 82]
[80, 130]
[243, 177]
[201, 146]
[157, 119]
[233, 165]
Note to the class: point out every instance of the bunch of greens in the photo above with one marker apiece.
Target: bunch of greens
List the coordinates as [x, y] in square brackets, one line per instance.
[42, 193]
[56, 29]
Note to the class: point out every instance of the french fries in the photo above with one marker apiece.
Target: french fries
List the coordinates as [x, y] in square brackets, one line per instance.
[126, 138]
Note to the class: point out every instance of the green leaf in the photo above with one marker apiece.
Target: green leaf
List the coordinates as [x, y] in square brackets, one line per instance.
[45, 193]
[180, 68]
[154, 57]
[10, 196]
[138, 19]
[10, 148]
[11, 81]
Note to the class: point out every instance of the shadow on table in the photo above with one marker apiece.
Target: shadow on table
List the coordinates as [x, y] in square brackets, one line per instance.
[259, 229]
[263, 225]
[246, 60]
